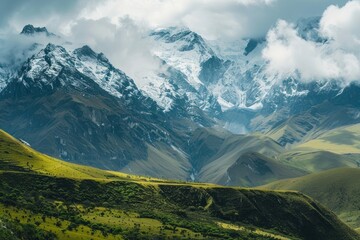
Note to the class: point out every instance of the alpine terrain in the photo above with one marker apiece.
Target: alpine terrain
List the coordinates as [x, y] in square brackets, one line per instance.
[180, 120]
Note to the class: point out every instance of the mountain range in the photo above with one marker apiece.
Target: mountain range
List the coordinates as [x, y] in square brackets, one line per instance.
[210, 114]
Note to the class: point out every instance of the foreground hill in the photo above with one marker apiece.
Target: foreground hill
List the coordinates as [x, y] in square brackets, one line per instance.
[41, 197]
[337, 189]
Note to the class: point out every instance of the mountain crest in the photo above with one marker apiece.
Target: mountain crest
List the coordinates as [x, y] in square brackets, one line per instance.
[185, 39]
[30, 30]
[86, 51]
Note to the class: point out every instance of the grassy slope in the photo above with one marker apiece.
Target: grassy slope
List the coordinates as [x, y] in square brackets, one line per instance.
[23, 156]
[337, 189]
[79, 202]
[289, 129]
[336, 148]
[238, 160]
[343, 140]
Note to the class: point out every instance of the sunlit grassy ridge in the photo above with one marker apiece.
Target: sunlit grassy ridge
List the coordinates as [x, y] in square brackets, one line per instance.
[16, 154]
[343, 140]
[337, 189]
[336, 148]
[78, 202]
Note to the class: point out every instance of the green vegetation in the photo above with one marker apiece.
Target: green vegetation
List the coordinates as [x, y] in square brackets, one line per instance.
[343, 140]
[14, 230]
[337, 189]
[237, 160]
[48, 197]
[319, 150]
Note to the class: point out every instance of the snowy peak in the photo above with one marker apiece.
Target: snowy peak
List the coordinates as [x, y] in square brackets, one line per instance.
[183, 50]
[185, 39]
[54, 67]
[97, 67]
[30, 30]
[51, 68]
[185, 53]
[85, 52]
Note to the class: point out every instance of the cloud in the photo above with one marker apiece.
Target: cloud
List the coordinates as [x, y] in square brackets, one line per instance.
[213, 19]
[341, 25]
[97, 24]
[15, 48]
[14, 14]
[123, 42]
[289, 55]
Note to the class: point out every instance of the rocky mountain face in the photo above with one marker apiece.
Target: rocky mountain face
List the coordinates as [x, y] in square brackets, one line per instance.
[77, 106]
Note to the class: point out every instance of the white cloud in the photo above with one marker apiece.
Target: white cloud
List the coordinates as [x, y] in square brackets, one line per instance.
[97, 24]
[122, 42]
[342, 25]
[211, 18]
[15, 48]
[289, 55]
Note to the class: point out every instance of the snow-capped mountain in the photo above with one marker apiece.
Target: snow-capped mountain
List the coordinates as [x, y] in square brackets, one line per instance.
[77, 106]
[97, 67]
[230, 74]
[88, 111]
[183, 50]
[183, 54]
[230, 78]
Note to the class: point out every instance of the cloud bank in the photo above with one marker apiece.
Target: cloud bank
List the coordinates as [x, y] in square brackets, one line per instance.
[213, 19]
[123, 42]
[289, 55]
[117, 27]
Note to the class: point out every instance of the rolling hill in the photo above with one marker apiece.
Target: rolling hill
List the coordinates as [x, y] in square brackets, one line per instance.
[238, 160]
[342, 140]
[42, 197]
[337, 189]
[335, 148]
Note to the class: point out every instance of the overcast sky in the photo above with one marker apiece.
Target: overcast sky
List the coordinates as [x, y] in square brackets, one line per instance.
[117, 27]
[211, 18]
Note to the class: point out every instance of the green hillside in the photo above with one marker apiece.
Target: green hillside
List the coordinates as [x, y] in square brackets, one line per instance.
[343, 140]
[42, 197]
[293, 129]
[238, 160]
[337, 148]
[337, 189]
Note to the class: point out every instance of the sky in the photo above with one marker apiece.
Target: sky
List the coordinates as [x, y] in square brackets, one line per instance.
[117, 27]
[211, 18]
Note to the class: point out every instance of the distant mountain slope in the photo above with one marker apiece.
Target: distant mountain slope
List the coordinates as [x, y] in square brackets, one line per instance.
[30, 30]
[337, 189]
[290, 128]
[338, 147]
[74, 201]
[224, 158]
[342, 140]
